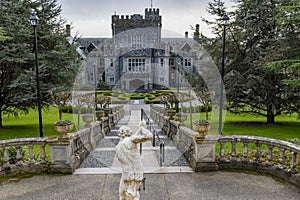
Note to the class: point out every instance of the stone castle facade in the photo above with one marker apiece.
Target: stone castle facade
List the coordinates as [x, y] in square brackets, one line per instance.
[137, 57]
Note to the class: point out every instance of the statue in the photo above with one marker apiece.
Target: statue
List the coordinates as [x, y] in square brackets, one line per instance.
[130, 159]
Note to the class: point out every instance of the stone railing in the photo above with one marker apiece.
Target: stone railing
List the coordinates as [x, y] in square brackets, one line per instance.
[57, 154]
[270, 156]
[264, 155]
[19, 155]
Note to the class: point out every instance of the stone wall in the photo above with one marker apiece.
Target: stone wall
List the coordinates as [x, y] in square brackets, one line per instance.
[65, 153]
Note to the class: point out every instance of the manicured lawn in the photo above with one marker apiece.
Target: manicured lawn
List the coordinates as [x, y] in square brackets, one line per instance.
[285, 127]
[27, 125]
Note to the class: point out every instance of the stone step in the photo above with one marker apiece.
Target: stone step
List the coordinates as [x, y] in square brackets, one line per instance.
[108, 142]
[103, 161]
[147, 170]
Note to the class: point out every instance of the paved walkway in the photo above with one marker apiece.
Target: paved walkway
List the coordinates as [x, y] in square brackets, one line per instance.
[171, 186]
[103, 160]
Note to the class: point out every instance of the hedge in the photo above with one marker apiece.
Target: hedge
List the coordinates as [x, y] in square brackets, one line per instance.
[137, 96]
[153, 101]
[196, 109]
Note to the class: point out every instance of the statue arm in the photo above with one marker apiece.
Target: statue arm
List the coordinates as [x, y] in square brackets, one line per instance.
[142, 135]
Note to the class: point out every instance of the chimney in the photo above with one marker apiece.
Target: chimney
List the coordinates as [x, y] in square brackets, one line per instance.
[197, 28]
[68, 30]
[196, 33]
[186, 34]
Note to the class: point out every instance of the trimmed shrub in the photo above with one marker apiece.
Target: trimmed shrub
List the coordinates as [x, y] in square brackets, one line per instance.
[163, 92]
[117, 101]
[153, 101]
[150, 96]
[137, 96]
[124, 98]
[115, 94]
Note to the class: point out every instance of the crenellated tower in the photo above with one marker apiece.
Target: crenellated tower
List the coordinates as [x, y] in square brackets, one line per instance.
[151, 19]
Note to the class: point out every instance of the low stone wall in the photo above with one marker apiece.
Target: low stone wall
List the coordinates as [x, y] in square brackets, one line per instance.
[271, 156]
[64, 154]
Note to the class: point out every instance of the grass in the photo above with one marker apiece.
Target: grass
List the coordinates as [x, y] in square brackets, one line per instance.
[285, 127]
[246, 124]
[27, 125]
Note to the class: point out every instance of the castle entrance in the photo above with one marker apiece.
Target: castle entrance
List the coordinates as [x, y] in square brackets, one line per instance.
[136, 84]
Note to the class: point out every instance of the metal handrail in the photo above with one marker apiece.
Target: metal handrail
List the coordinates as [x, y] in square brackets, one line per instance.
[145, 117]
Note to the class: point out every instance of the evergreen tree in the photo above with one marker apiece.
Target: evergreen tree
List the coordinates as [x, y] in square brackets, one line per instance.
[289, 63]
[57, 57]
[2, 35]
[253, 40]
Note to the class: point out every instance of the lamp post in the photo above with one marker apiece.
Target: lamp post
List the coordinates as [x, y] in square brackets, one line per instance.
[177, 102]
[225, 19]
[34, 22]
[95, 82]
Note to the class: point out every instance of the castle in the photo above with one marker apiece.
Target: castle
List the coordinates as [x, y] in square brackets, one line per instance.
[137, 57]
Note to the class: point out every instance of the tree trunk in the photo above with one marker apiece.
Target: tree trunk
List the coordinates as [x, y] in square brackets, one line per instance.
[60, 114]
[1, 125]
[206, 111]
[270, 117]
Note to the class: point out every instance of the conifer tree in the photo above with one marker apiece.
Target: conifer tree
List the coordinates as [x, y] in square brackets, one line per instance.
[253, 40]
[57, 57]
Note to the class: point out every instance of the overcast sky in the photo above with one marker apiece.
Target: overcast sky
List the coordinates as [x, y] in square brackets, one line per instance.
[92, 18]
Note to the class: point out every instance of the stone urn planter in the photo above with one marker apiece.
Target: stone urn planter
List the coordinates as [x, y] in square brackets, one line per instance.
[63, 127]
[170, 113]
[202, 128]
[107, 111]
[88, 118]
[99, 114]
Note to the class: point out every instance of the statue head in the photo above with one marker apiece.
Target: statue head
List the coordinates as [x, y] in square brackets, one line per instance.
[124, 131]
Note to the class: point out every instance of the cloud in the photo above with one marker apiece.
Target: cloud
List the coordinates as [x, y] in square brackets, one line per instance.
[93, 17]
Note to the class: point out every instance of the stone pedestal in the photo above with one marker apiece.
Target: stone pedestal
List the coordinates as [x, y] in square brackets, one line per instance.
[60, 150]
[204, 155]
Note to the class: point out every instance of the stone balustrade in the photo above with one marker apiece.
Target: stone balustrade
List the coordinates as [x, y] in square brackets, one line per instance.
[20, 154]
[57, 154]
[270, 156]
[259, 154]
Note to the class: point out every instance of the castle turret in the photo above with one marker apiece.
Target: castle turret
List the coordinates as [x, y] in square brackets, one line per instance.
[124, 23]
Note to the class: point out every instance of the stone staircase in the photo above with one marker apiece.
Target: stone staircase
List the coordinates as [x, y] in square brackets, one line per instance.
[103, 161]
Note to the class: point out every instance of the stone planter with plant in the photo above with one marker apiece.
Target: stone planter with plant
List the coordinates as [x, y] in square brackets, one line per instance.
[202, 127]
[63, 127]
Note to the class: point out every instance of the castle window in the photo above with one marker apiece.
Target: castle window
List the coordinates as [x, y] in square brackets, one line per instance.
[90, 77]
[137, 41]
[111, 62]
[161, 62]
[171, 62]
[187, 62]
[112, 80]
[102, 62]
[136, 64]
